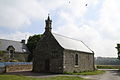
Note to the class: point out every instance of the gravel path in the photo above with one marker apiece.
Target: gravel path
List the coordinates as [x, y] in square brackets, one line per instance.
[108, 75]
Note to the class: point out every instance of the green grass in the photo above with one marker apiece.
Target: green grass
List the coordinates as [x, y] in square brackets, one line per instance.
[16, 77]
[96, 72]
[108, 66]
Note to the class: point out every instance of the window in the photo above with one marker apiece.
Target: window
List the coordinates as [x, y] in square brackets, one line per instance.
[76, 59]
[24, 50]
[11, 53]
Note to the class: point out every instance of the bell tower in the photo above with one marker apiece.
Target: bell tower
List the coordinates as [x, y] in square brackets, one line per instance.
[48, 24]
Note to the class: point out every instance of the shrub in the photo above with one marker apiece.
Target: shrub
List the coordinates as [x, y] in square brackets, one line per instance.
[13, 61]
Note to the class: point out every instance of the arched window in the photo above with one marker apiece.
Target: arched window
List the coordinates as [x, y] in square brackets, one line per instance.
[76, 59]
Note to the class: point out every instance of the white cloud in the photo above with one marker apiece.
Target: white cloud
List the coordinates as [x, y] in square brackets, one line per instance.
[100, 34]
[91, 37]
[17, 36]
[18, 13]
[109, 26]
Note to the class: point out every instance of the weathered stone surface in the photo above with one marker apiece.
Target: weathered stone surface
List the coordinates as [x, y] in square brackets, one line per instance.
[50, 56]
[16, 68]
[2, 70]
[85, 61]
[21, 57]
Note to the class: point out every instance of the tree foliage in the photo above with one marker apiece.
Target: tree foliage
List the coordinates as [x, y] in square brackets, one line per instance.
[107, 61]
[31, 44]
[118, 49]
[1, 53]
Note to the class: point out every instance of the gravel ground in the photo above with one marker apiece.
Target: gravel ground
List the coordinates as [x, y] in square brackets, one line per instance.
[108, 75]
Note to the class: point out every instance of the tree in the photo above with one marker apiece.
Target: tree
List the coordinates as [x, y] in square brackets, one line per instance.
[118, 49]
[31, 44]
[1, 53]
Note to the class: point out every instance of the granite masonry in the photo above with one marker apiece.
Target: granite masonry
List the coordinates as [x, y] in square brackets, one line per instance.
[58, 54]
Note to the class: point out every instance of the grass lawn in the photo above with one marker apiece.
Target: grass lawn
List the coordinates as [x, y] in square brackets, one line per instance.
[16, 77]
[89, 73]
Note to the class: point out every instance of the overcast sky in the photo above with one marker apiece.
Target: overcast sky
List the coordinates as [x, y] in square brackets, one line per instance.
[97, 24]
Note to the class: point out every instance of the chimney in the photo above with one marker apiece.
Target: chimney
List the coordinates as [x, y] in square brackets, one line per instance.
[23, 41]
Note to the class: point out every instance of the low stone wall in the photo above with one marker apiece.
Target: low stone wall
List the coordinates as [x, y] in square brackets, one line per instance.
[16, 68]
[2, 69]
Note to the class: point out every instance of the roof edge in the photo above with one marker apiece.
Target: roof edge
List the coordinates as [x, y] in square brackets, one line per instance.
[10, 40]
[79, 51]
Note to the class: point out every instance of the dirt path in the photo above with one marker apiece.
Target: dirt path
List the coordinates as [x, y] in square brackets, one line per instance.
[108, 75]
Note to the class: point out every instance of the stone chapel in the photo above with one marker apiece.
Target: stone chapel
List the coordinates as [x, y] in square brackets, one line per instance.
[56, 53]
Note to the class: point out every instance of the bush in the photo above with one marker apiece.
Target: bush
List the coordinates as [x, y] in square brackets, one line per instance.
[1, 53]
[108, 66]
[13, 61]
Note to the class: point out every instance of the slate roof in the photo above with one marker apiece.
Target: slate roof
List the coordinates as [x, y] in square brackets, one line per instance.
[19, 47]
[72, 44]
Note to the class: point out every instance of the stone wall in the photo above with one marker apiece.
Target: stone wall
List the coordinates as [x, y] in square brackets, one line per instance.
[85, 61]
[21, 57]
[16, 68]
[48, 56]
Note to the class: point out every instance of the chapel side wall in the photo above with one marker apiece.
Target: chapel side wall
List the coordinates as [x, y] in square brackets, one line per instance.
[85, 61]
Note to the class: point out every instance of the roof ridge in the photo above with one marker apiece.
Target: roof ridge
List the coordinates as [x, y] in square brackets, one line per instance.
[68, 37]
[9, 40]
